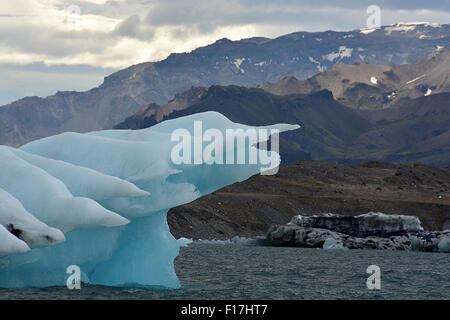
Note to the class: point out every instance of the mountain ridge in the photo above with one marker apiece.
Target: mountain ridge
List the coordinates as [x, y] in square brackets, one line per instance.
[249, 62]
[403, 120]
[387, 84]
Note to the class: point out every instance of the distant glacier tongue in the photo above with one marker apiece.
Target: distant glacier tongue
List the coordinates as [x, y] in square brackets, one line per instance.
[109, 191]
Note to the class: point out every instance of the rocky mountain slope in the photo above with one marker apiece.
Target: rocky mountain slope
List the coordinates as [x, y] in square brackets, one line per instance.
[247, 62]
[363, 87]
[327, 127]
[248, 208]
[416, 130]
[153, 113]
[402, 117]
[368, 87]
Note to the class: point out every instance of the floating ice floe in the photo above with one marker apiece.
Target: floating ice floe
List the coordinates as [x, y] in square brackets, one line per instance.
[109, 192]
[237, 240]
[333, 244]
[444, 245]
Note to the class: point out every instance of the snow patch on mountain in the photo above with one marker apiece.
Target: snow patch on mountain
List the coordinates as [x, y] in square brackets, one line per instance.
[343, 52]
[409, 26]
[415, 79]
[399, 28]
[237, 63]
[319, 67]
[418, 23]
[367, 30]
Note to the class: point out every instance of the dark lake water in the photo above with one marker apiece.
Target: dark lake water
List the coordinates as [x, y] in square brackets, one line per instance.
[234, 271]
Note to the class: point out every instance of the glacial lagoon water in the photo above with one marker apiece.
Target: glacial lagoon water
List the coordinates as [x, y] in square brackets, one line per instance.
[236, 271]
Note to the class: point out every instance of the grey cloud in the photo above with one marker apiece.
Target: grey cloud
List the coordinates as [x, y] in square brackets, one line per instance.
[129, 27]
[111, 9]
[187, 19]
[436, 5]
[18, 81]
[223, 12]
[53, 43]
[133, 28]
[341, 15]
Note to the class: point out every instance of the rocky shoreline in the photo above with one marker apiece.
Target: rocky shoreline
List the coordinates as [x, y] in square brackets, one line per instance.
[373, 230]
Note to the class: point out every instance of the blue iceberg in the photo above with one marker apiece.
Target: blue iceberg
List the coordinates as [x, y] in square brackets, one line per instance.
[99, 200]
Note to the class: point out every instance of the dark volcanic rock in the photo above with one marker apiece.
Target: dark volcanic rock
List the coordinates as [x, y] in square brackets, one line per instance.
[368, 231]
[370, 224]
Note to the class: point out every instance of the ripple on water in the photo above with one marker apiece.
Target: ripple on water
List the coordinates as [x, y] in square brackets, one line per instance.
[212, 271]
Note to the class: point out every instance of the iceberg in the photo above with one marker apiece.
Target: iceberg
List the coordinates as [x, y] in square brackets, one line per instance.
[444, 244]
[333, 244]
[109, 193]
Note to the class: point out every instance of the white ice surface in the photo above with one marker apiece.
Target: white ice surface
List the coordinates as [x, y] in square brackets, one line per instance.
[48, 199]
[444, 245]
[332, 244]
[81, 181]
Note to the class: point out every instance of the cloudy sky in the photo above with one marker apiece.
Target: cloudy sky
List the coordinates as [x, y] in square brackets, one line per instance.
[51, 45]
